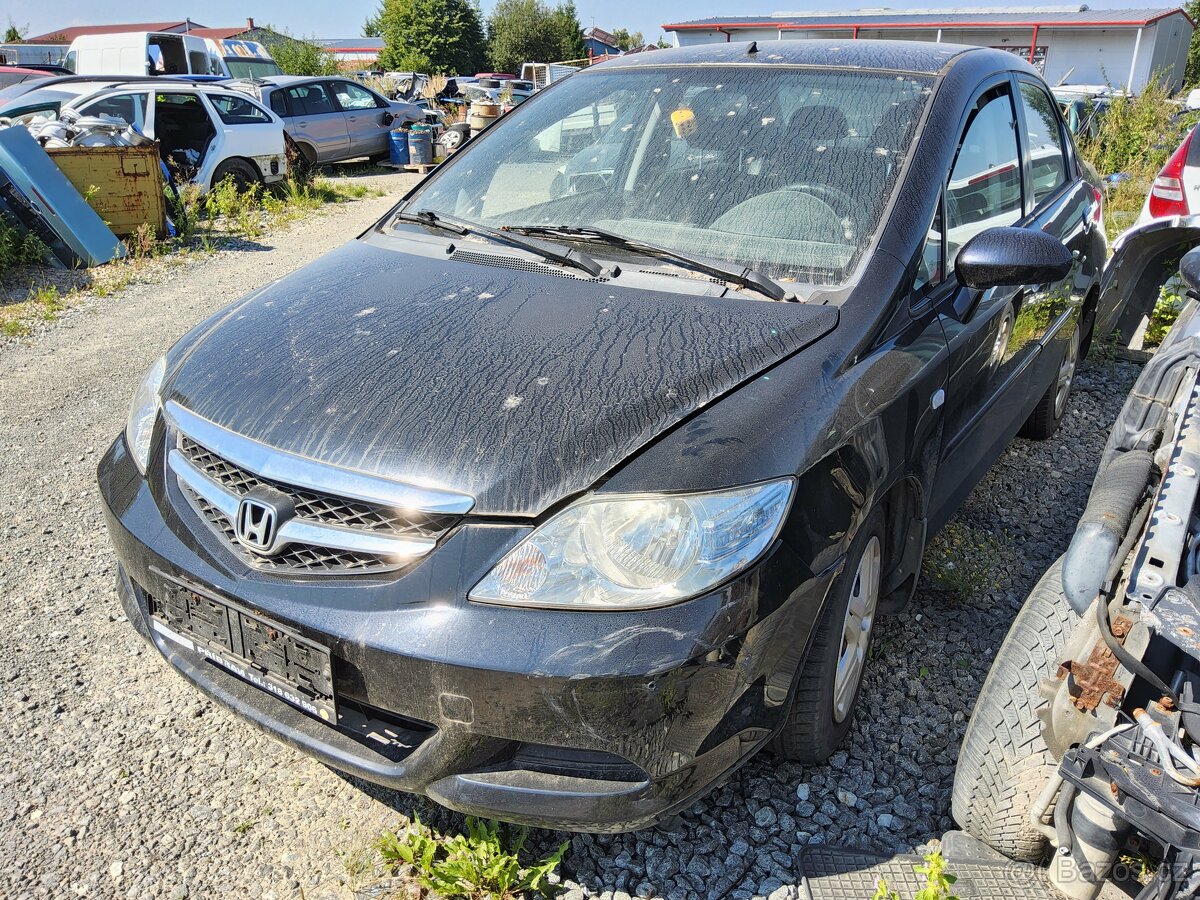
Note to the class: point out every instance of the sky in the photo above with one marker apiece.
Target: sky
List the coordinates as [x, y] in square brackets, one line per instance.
[344, 19]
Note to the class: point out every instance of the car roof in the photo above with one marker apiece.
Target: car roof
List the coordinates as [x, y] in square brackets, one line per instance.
[165, 84]
[288, 80]
[921, 57]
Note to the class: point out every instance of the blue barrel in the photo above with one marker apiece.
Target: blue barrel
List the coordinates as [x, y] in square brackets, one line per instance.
[420, 146]
[399, 147]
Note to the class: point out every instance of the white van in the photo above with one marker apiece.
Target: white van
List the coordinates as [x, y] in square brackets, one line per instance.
[240, 59]
[139, 53]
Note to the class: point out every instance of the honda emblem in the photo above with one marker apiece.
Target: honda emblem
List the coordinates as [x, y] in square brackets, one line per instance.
[257, 524]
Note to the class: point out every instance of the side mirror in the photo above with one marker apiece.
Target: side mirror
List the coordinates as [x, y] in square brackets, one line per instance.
[1189, 271]
[998, 257]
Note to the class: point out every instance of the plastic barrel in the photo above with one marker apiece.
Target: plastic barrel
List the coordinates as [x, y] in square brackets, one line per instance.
[420, 146]
[398, 147]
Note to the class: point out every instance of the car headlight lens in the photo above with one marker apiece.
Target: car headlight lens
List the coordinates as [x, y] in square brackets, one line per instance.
[143, 411]
[635, 551]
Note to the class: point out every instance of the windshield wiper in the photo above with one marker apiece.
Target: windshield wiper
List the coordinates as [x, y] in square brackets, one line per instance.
[573, 258]
[742, 276]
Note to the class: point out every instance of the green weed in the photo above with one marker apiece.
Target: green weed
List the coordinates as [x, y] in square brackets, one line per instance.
[938, 881]
[965, 560]
[484, 864]
[1166, 311]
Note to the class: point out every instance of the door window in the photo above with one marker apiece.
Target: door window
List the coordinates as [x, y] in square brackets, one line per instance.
[238, 110]
[984, 190]
[130, 108]
[1045, 143]
[351, 97]
[279, 104]
[310, 100]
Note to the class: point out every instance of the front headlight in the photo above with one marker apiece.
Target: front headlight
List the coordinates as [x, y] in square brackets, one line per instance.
[635, 551]
[143, 411]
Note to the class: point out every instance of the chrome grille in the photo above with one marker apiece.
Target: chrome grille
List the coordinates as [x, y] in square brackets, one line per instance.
[332, 520]
[297, 557]
[325, 508]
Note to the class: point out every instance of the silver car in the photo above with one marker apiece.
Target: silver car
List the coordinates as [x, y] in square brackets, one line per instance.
[331, 119]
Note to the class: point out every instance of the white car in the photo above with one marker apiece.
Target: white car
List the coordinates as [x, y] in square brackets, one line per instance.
[1176, 190]
[206, 133]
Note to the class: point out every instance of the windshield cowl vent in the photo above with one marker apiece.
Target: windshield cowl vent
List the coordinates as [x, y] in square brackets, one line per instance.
[523, 265]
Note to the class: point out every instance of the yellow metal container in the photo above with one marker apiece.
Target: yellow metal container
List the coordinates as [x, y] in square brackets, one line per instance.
[123, 185]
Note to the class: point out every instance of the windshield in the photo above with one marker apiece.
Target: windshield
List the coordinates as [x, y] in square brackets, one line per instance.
[241, 67]
[786, 170]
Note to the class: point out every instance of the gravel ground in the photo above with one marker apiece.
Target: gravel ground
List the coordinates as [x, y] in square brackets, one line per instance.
[123, 781]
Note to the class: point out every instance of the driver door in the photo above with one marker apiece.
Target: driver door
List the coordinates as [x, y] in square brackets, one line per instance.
[983, 189]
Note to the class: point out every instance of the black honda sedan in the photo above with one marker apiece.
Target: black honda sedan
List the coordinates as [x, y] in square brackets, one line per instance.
[584, 475]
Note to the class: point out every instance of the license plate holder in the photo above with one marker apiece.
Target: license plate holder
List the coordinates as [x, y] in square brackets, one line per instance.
[268, 655]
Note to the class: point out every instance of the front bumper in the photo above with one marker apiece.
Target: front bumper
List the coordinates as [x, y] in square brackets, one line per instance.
[581, 721]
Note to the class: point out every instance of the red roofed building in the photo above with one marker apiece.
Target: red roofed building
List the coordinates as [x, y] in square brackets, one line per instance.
[1073, 44]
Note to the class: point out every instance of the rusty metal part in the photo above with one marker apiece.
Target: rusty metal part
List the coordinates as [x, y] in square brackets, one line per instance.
[1092, 681]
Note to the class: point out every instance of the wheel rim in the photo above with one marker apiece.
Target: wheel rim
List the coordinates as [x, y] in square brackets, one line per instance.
[452, 139]
[1066, 374]
[1003, 333]
[856, 629]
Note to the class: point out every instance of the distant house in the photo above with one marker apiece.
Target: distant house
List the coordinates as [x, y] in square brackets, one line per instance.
[247, 32]
[353, 54]
[70, 32]
[598, 42]
[1069, 44]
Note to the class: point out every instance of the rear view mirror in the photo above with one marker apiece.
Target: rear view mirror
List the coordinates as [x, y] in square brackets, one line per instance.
[1189, 271]
[1009, 256]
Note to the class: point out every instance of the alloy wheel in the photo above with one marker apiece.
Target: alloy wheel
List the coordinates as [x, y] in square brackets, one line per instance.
[1066, 374]
[856, 629]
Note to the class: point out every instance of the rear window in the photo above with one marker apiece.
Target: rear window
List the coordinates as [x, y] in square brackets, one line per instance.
[243, 67]
[310, 100]
[787, 170]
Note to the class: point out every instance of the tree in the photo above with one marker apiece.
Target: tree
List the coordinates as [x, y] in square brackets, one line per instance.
[13, 34]
[627, 41]
[443, 37]
[297, 56]
[568, 33]
[1191, 73]
[531, 31]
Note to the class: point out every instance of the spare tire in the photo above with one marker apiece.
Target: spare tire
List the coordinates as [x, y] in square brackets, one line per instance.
[1004, 763]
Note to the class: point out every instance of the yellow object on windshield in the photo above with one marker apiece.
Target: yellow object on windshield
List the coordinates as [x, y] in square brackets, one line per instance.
[683, 120]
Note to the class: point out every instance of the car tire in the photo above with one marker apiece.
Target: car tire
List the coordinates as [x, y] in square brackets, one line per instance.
[827, 689]
[1043, 422]
[1003, 763]
[300, 160]
[244, 175]
[455, 136]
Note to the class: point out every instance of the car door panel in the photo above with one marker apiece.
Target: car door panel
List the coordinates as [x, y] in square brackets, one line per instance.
[367, 121]
[983, 190]
[1007, 355]
[316, 121]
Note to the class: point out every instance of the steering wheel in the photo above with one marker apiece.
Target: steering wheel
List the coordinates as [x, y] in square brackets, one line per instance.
[843, 205]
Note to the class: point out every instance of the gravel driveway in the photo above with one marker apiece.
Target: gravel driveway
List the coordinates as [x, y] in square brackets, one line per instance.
[122, 781]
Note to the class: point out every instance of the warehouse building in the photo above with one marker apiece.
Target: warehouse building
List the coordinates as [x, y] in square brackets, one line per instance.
[1071, 45]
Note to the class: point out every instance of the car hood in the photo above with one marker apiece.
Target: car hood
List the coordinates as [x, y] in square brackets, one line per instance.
[520, 388]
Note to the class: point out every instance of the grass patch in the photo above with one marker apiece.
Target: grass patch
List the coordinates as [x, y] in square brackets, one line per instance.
[966, 561]
[18, 249]
[1166, 311]
[205, 223]
[487, 863]
[1134, 137]
[938, 881]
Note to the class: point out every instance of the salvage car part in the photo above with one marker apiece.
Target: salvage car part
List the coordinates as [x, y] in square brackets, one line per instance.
[1108, 741]
[37, 198]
